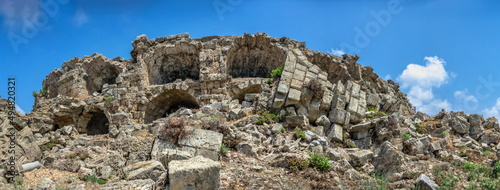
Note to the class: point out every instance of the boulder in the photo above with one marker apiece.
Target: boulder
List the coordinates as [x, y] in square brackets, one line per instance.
[196, 173]
[299, 120]
[425, 183]
[360, 157]
[339, 116]
[323, 121]
[460, 125]
[167, 155]
[144, 170]
[335, 133]
[389, 160]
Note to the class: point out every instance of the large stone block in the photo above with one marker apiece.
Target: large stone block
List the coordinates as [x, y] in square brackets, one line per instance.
[360, 157]
[283, 87]
[197, 173]
[353, 105]
[293, 97]
[339, 102]
[299, 120]
[144, 170]
[167, 155]
[204, 139]
[339, 88]
[339, 116]
[279, 101]
[335, 133]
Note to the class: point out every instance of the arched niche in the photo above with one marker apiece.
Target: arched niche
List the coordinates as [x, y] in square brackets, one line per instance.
[167, 103]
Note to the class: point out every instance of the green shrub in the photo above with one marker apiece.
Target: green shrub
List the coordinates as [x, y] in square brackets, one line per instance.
[276, 73]
[299, 134]
[283, 129]
[269, 81]
[109, 97]
[496, 170]
[266, 117]
[469, 166]
[370, 115]
[381, 113]
[406, 136]
[44, 91]
[93, 179]
[223, 149]
[420, 129]
[319, 161]
[213, 118]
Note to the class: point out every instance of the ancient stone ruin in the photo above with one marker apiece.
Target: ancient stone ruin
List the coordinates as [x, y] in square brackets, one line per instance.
[181, 108]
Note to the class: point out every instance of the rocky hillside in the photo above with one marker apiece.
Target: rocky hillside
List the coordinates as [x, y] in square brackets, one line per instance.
[238, 112]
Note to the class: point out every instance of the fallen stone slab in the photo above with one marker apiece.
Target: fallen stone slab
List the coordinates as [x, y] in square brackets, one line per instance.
[196, 173]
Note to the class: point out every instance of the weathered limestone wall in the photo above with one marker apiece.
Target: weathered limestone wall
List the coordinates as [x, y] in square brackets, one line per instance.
[176, 71]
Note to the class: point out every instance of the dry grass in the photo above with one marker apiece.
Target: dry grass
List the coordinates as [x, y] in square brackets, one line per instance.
[174, 129]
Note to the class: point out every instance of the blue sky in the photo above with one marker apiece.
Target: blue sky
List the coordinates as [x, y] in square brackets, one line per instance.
[444, 53]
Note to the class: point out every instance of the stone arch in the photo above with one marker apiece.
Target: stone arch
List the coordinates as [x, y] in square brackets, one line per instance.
[169, 102]
[99, 71]
[176, 63]
[62, 120]
[254, 56]
[94, 122]
[240, 90]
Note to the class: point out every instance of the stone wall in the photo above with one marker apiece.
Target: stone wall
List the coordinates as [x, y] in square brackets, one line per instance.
[176, 71]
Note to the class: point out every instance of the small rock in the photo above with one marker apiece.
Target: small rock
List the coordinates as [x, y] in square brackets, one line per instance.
[425, 183]
[187, 112]
[323, 121]
[144, 170]
[45, 184]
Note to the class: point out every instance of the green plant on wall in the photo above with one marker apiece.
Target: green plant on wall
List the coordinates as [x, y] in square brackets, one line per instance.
[276, 73]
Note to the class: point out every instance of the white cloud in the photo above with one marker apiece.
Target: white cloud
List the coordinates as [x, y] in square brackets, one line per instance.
[337, 52]
[465, 101]
[387, 77]
[16, 13]
[80, 18]
[432, 74]
[421, 80]
[493, 111]
[18, 109]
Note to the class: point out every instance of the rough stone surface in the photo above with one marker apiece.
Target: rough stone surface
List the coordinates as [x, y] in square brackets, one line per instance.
[196, 173]
[141, 184]
[424, 182]
[144, 170]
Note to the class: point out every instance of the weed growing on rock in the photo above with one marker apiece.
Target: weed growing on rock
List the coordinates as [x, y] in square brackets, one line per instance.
[109, 98]
[319, 161]
[420, 129]
[266, 117]
[223, 149]
[406, 136]
[93, 179]
[173, 129]
[51, 143]
[276, 73]
[283, 129]
[296, 164]
[298, 134]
